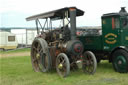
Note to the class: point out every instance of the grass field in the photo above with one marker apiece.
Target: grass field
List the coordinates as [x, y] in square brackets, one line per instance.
[18, 71]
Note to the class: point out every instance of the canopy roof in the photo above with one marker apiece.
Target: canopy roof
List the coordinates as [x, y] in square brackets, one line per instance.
[55, 14]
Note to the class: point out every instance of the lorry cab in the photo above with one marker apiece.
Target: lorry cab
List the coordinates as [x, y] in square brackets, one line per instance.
[115, 39]
[115, 30]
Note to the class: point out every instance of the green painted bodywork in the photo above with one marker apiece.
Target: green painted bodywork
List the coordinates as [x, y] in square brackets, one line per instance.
[111, 37]
[124, 34]
[124, 37]
[92, 42]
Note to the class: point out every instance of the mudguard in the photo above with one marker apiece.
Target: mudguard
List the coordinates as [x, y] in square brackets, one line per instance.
[120, 47]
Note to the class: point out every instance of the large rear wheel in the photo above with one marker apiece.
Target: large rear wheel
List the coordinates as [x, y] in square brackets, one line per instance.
[89, 63]
[62, 65]
[120, 61]
[40, 56]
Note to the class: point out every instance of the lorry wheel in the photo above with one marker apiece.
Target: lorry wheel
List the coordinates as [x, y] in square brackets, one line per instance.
[89, 62]
[120, 61]
[40, 55]
[62, 65]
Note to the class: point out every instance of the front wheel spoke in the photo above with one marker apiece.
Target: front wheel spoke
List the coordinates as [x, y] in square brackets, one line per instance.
[63, 62]
[38, 59]
[58, 62]
[91, 61]
[64, 68]
[61, 58]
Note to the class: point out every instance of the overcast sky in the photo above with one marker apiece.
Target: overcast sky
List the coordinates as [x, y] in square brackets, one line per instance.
[14, 12]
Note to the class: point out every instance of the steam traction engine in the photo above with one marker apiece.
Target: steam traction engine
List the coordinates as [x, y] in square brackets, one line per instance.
[58, 47]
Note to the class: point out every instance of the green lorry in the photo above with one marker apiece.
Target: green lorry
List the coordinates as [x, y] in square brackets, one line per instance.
[112, 42]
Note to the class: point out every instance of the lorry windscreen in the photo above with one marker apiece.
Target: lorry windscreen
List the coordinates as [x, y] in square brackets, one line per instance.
[125, 23]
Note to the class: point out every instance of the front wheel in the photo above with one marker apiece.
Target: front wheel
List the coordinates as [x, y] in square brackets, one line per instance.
[62, 65]
[89, 63]
[120, 61]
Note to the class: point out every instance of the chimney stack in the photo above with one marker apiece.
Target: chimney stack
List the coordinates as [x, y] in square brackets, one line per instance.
[73, 23]
[123, 11]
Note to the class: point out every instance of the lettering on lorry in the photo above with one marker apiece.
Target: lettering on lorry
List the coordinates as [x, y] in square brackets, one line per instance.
[110, 38]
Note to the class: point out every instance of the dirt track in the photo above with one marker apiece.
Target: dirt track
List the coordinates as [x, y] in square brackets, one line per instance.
[15, 54]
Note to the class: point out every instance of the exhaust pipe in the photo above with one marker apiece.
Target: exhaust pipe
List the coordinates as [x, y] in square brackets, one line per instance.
[123, 11]
[73, 23]
[74, 46]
